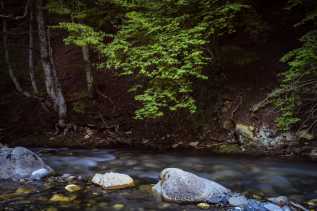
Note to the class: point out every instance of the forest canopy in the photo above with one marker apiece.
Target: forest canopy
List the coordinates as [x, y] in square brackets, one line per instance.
[165, 45]
[168, 47]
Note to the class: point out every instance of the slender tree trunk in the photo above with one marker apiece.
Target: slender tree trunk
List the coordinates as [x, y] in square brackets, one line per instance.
[89, 71]
[50, 52]
[60, 100]
[7, 57]
[31, 48]
[52, 83]
[45, 60]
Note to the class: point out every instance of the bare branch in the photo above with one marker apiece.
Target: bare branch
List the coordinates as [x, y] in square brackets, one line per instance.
[26, 9]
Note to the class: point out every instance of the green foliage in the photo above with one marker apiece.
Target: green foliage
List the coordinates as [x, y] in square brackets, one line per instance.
[299, 80]
[297, 103]
[163, 45]
[287, 107]
[81, 35]
[163, 54]
[58, 7]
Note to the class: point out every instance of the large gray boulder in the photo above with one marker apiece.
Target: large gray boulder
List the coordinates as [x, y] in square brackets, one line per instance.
[180, 186]
[21, 163]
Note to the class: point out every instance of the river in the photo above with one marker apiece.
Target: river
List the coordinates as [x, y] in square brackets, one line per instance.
[255, 177]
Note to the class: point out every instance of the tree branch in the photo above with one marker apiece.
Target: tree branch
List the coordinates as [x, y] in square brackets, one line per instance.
[26, 8]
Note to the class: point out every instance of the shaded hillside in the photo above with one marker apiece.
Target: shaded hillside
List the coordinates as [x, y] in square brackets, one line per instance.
[242, 47]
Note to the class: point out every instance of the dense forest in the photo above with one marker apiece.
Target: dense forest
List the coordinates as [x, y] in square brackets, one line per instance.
[230, 76]
[158, 105]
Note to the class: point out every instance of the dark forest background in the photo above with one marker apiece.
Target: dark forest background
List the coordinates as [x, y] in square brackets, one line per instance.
[177, 74]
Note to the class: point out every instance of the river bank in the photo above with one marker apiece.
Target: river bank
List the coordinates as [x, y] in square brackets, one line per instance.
[93, 140]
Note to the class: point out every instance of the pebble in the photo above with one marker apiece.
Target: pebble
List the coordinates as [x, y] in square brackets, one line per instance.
[203, 206]
[193, 144]
[39, 174]
[72, 188]
[118, 206]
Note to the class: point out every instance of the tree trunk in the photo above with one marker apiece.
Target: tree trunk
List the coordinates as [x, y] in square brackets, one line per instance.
[53, 86]
[31, 59]
[89, 71]
[7, 57]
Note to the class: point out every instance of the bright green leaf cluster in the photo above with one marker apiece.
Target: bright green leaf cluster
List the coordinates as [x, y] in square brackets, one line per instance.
[81, 35]
[163, 45]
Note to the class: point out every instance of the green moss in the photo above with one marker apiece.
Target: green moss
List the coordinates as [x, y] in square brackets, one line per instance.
[229, 149]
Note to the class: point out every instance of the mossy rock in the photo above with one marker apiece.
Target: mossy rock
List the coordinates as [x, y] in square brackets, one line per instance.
[62, 198]
[246, 133]
[19, 192]
[24, 190]
[9, 196]
[229, 149]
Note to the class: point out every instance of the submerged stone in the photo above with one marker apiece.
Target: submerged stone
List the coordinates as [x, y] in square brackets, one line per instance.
[280, 200]
[146, 188]
[39, 174]
[238, 201]
[118, 206]
[272, 207]
[203, 206]
[254, 205]
[51, 209]
[62, 198]
[23, 190]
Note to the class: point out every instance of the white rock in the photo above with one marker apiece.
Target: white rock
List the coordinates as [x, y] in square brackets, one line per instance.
[272, 207]
[72, 188]
[194, 144]
[39, 174]
[113, 180]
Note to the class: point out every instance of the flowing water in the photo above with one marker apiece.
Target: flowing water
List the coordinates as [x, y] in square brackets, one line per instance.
[254, 177]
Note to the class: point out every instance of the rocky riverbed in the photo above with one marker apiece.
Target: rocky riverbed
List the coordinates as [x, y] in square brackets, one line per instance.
[70, 187]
